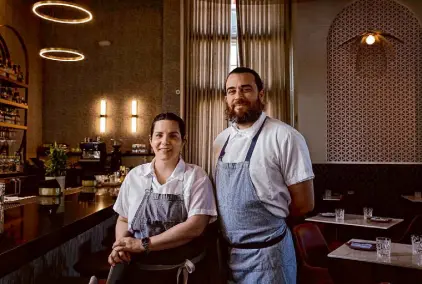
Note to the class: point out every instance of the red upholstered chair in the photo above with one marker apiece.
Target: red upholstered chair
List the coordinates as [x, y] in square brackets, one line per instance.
[94, 280]
[415, 227]
[312, 253]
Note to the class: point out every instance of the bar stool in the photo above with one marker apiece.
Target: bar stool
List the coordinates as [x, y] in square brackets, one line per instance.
[94, 280]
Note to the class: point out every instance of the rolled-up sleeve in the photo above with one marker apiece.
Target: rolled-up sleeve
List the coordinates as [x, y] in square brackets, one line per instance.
[296, 161]
[121, 206]
[201, 198]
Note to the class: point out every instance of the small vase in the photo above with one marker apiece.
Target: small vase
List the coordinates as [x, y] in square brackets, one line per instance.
[60, 180]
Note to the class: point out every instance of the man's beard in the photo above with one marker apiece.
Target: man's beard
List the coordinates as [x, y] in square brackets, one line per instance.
[251, 115]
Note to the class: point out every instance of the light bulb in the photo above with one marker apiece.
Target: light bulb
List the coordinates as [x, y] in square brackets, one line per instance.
[103, 107]
[134, 124]
[134, 107]
[103, 113]
[370, 39]
[102, 124]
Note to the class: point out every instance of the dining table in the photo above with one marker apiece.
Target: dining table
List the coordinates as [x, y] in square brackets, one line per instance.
[353, 226]
[412, 198]
[357, 221]
[351, 265]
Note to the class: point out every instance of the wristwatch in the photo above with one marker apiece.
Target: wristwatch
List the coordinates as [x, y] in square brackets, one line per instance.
[145, 244]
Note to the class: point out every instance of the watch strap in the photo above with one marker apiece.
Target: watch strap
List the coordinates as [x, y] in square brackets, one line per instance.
[145, 243]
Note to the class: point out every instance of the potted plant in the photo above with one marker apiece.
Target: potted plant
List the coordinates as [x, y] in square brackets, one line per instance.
[55, 166]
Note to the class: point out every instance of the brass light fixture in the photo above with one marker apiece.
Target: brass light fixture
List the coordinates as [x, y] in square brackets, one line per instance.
[371, 47]
[103, 115]
[75, 55]
[61, 4]
[134, 116]
[372, 37]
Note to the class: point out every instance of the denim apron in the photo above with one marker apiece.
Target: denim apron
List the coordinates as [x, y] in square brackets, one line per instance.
[156, 214]
[259, 244]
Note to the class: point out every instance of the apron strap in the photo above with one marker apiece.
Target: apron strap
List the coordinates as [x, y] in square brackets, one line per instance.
[135, 225]
[223, 150]
[253, 143]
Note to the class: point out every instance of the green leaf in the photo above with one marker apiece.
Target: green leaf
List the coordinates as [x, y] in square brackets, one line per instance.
[56, 163]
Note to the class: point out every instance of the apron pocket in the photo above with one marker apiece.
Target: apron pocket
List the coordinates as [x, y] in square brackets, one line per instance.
[169, 224]
[154, 228]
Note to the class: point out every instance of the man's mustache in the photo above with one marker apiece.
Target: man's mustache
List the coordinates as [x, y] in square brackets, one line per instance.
[241, 102]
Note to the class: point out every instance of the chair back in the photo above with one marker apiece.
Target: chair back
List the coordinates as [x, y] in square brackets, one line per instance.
[414, 228]
[311, 245]
[116, 273]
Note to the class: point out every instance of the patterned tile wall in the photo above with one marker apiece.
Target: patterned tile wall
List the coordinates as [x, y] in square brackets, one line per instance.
[374, 92]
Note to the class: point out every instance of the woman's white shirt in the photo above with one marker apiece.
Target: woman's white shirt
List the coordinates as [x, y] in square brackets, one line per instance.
[188, 180]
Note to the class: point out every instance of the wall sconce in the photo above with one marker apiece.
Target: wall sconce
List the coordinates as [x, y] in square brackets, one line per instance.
[103, 115]
[134, 115]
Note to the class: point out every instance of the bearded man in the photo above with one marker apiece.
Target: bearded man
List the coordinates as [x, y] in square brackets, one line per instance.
[263, 174]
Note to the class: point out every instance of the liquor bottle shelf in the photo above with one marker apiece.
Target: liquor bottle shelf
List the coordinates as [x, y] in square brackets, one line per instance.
[10, 174]
[10, 125]
[10, 103]
[5, 81]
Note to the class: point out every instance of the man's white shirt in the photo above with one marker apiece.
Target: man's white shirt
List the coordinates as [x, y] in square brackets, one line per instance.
[280, 159]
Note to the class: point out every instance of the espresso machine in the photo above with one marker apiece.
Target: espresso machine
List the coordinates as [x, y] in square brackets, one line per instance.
[93, 159]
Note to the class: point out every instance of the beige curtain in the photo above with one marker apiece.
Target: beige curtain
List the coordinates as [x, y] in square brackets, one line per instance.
[263, 40]
[206, 51]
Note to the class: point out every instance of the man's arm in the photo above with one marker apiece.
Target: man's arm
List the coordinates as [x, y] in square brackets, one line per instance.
[302, 195]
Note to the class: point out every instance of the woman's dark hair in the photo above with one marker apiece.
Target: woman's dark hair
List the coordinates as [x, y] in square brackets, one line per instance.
[170, 116]
[240, 70]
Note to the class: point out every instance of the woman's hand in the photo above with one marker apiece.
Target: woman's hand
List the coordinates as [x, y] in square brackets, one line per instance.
[128, 244]
[118, 256]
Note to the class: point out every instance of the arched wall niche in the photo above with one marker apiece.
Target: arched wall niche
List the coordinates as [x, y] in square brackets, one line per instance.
[374, 95]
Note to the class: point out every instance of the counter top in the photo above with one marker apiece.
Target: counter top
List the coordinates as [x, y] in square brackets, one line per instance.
[33, 228]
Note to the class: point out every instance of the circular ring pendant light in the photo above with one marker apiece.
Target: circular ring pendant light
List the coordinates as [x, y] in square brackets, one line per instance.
[62, 4]
[74, 55]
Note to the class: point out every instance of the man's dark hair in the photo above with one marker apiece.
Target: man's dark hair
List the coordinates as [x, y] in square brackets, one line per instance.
[170, 116]
[240, 70]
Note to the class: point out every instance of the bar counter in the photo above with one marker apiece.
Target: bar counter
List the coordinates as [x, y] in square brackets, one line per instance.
[35, 227]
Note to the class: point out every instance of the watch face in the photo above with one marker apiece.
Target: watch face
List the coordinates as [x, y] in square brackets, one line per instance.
[145, 242]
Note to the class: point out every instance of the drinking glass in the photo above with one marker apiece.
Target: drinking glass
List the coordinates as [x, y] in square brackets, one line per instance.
[367, 212]
[418, 194]
[416, 242]
[383, 247]
[339, 214]
[327, 193]
[419, 253]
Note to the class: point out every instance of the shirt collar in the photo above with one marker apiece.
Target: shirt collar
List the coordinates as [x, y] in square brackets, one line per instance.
[178, 172]
[250, 131]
